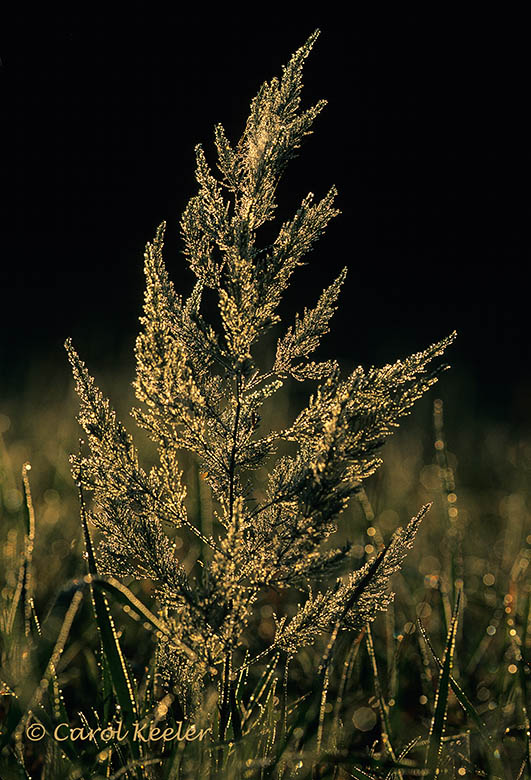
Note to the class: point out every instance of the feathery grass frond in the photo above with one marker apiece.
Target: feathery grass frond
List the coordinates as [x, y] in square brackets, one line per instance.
[200, 391]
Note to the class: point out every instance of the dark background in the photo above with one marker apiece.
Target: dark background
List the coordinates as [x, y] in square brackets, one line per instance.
[425, 136]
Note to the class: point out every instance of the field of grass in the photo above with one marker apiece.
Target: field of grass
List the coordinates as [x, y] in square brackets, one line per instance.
[436, 686]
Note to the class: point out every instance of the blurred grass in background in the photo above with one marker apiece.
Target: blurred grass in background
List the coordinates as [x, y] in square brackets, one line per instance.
[477, 537]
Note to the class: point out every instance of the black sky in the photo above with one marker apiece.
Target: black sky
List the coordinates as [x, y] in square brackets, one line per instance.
[426, 137]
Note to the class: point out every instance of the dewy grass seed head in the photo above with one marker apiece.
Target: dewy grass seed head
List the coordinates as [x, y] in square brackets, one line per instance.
[200, 391]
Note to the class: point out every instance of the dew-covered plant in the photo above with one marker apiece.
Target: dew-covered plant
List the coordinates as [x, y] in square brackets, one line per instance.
[201, 388]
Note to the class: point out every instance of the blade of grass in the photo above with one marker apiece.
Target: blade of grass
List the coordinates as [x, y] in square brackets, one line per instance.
[359, 774]
[382, 706]
[29, 541]
[31, 621]
[125, 596]
[470, 710]
[119, 673]
[235, 714]
[393, 647]
[46, 663]
[324, 691]
[437, 726]
[260, 688]
[21, 706]
[24, 590]
[348, 665]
